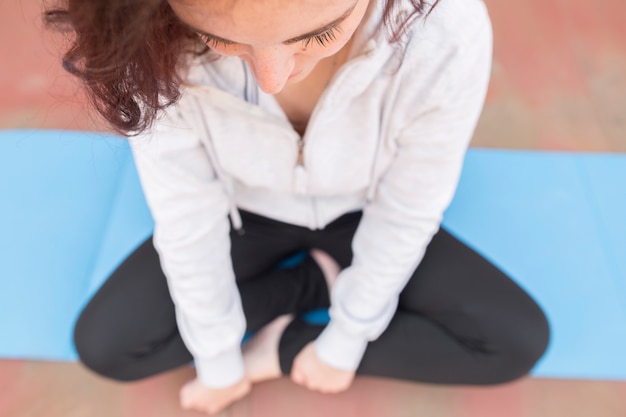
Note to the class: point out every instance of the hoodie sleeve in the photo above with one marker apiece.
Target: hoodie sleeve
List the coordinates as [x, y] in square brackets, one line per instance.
[408, 205]
[190, 206]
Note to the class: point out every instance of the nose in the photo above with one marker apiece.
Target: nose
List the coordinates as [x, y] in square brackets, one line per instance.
[272, 67]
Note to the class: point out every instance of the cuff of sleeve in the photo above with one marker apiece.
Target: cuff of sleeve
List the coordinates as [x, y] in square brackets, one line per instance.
[339, 349]
[221, 371]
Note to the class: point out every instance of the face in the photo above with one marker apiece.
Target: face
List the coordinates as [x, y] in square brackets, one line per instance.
[281, 40]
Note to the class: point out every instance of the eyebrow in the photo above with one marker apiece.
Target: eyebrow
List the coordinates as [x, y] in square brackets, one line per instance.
[299, 38]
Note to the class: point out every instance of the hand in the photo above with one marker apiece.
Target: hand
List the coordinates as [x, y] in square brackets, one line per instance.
[195, 396]
[309, 371]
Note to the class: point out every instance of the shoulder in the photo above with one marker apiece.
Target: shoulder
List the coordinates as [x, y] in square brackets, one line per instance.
[448, 50]
[459, 27]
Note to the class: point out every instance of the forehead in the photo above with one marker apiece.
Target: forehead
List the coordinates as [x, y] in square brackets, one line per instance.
[224, 8]
[263, 17]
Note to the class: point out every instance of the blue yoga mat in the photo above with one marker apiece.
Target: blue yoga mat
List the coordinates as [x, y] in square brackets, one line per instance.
[72, 209]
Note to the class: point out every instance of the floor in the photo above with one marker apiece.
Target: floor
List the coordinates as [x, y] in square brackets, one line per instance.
[559, 83]
[30, 389]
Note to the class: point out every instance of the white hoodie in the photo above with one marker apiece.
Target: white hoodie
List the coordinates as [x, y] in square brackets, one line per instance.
[388, 137]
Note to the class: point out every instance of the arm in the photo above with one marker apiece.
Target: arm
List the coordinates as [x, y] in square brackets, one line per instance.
[408, 205]
[190, 207]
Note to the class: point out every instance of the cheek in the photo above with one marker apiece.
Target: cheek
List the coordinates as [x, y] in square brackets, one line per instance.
[308, 56]
[318, 52]
[227, 50]
[324, 51]
[306, 61]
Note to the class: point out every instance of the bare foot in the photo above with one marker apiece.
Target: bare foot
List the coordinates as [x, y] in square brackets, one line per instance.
[260, 353]
[328, 265]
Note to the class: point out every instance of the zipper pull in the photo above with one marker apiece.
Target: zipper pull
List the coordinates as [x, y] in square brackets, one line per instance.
[300, 176]
[300, 160]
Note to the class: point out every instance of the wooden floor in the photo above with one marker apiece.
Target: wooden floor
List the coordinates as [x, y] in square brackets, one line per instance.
[559, 83]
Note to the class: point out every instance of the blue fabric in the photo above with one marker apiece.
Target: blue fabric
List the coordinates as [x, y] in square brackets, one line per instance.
[72, 209]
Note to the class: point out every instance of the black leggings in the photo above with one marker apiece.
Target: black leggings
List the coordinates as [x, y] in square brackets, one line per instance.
[459, 320]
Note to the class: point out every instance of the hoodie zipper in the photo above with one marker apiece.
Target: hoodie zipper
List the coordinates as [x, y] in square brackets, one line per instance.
[314, 115]
[300, 159]
[300, 172]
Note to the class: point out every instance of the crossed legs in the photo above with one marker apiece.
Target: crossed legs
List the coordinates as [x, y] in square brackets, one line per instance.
[460, 320]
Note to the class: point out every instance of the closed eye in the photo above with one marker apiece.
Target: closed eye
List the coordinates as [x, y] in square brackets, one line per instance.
[213, 42]
[321, 39]
[324, 38]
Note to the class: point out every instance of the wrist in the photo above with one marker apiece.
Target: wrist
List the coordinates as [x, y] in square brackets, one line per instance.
[220, 371]
[340, 349]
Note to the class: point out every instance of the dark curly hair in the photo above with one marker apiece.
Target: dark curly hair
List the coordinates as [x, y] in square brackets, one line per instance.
[128, 53]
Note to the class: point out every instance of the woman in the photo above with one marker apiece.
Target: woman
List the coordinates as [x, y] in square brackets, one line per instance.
[264, 128]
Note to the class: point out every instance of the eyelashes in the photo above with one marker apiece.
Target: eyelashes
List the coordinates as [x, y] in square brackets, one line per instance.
[322, 39]
[212, 42]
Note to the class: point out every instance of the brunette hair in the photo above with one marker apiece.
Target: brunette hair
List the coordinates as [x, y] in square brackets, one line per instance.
[128, 53]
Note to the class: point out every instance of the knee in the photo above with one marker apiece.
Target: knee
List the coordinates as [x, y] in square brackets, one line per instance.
[525, 344]
[95, 348]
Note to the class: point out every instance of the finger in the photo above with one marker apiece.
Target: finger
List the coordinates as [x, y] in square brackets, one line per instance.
[186, 401]
[298, 377]
[215, 408]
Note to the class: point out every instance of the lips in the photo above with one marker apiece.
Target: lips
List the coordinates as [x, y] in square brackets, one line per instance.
[295, 74]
